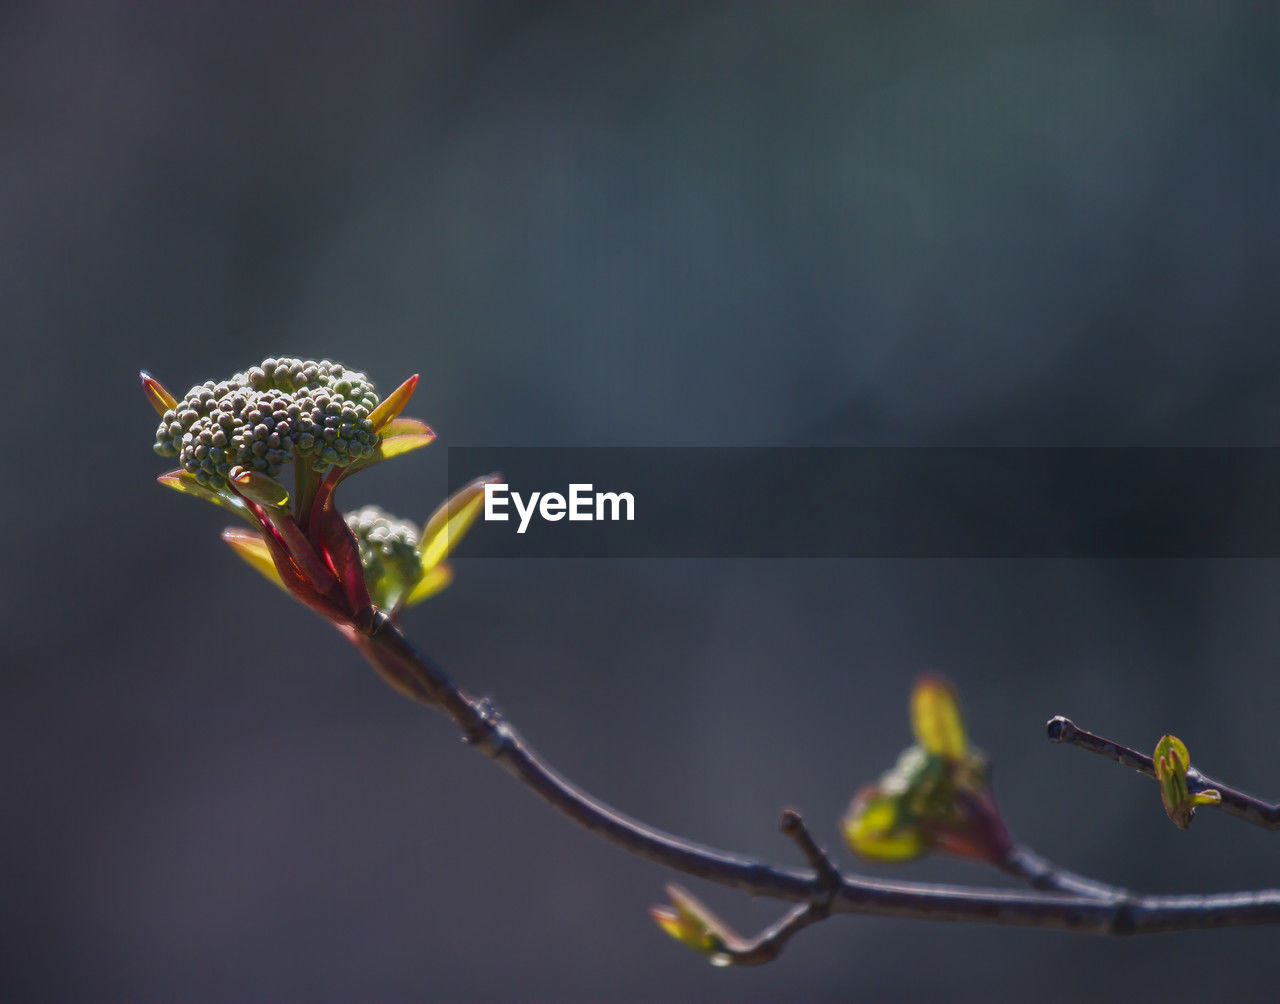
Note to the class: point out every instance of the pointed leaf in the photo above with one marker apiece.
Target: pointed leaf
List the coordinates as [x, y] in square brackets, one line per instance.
[393, 404]
[691, 923]
[403, 426]
[409, 434]
[255, 552]
[669, 920]
[185, 483]
[432, 582]
[161, 400]
[935, 718]
[451, 521]
[396, 445]
[415, 435]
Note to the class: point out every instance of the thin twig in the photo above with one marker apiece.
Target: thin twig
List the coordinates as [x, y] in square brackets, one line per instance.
[769, 943]
[733, 949]
[792, 824]
[1234, 801]
[1027, 866]
[1121, 913]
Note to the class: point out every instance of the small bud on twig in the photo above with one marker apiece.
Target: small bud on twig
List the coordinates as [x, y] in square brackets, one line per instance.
[1172, 762]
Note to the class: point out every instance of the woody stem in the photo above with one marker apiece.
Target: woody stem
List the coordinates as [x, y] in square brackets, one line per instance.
[1083, 906]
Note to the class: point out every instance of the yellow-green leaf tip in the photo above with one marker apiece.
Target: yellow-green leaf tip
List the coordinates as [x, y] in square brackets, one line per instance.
[255, 553]
[935, 717]
[393, 404]
[185, 483]
[1172, 762]
[692, 924]
[447, 525]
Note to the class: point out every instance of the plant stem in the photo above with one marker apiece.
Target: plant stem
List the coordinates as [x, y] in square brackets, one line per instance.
[305, 483]
[1027, 866]
[1077, 903]
[1234, 801]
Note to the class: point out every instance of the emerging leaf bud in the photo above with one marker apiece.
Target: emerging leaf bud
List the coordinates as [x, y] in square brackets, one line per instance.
[878, 827]
[936, 797]
[1172, 763]
[692, 924]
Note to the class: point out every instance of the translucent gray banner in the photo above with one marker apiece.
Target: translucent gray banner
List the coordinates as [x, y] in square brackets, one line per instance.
[875, 502]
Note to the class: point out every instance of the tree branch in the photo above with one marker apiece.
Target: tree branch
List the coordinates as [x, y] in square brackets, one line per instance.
[769, 943]
[1027, 866]
[1234, 802]
[723, 944]
[1078, 905]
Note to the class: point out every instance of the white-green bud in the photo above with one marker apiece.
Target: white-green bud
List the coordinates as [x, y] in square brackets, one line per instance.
[388, 552]
[267, 416]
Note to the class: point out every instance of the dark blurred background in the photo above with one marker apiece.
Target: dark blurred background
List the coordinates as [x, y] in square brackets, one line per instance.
[617, 225]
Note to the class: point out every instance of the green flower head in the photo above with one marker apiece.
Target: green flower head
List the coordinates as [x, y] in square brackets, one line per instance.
[280, 411]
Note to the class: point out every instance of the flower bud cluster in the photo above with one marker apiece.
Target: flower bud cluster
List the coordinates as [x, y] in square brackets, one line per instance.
[388, 546]
[279, 411]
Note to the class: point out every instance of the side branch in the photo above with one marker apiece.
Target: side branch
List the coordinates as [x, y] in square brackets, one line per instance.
[1027, 866]
[1101, 911]
[1235, 802]
[768, 944]
[698, 927]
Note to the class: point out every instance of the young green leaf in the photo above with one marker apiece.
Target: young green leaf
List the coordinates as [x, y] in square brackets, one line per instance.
[393, 404]
[935, 718]
[878, 827]
[432, 582]
[451, 520]
[405, 426]
[411, 435]
[253, 549]
[186, 484]
[692, 924]
[397, 445]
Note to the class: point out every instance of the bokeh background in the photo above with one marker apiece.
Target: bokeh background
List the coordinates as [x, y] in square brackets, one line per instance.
[614, 224]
